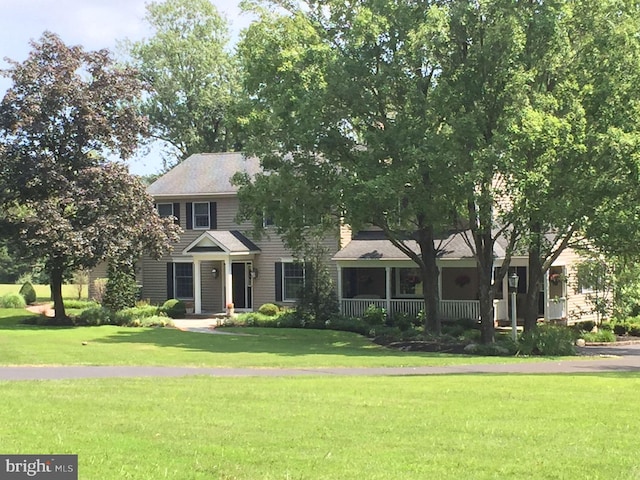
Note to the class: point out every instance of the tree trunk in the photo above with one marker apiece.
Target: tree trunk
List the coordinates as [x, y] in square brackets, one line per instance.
[485, 289]
[530, 313]
[56, 293]
[430, 278]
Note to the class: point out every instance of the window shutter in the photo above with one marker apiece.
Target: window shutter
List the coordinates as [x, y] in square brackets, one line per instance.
[176, 212]
[278, 281]
[213, 216]
[189, 216]
[169, 280]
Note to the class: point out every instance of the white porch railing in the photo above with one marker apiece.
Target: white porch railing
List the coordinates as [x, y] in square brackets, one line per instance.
[449, 309]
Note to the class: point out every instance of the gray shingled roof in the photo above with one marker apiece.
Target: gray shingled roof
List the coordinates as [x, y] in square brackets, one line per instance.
[231, 241]
[204, 174]
[374, 246]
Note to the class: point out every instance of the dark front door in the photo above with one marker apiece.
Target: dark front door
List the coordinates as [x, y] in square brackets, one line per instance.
[241, 291]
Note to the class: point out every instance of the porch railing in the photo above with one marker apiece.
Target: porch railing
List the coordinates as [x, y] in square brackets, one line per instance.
[449, 309]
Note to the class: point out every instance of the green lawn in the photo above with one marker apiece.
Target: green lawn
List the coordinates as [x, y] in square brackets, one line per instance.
[265, 347]
[43, 292]
[442, 427]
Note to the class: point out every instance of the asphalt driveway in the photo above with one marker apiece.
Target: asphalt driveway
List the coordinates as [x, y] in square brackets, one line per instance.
[624, 358]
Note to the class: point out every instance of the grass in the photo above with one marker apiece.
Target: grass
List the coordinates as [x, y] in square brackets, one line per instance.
[264, 347]
[43, 292]
[444, 427]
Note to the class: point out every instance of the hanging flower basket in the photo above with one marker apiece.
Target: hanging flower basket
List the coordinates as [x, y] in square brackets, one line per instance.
[557, 278]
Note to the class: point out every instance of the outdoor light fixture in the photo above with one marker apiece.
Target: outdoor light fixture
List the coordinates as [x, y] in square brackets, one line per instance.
[513, 281]
[215, 272]
[254, 273]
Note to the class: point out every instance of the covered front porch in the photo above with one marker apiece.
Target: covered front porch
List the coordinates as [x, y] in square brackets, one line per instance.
[399, 290]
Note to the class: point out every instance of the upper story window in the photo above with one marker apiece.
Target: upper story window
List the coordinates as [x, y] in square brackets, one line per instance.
[201, 218]
[165, 209]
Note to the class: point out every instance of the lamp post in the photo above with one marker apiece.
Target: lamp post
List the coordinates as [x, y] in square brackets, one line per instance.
[513, 286]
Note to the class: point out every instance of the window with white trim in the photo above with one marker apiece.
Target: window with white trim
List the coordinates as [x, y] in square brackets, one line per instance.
[408, 282]
[165, 209]
[292, 280]
[183, 280]
[201, 216]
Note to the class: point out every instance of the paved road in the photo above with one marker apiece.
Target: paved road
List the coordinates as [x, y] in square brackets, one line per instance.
[597, 359]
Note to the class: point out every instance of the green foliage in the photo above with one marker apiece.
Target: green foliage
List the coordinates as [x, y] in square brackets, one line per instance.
[12, 300]
[174, 308]
[121, 290]
[132, 315]
[318, 300]
[599, 336]
[80, 304]
[193, 79]
[96, 316]
[268, 309]
[585, 326]
[548, 340]
[401, 320]
[348, 324]
[374, 316]
[28, 292]
[621, 328]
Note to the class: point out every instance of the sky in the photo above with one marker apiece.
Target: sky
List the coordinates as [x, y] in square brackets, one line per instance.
[94, 24]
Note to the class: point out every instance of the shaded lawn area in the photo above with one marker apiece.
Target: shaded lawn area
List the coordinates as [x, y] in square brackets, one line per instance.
[444, 427]
[264, 347]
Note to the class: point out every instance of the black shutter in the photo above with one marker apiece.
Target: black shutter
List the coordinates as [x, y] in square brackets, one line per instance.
[169, 280]
[278, 281]
[213, 216]
[189, 216]
[176, 213]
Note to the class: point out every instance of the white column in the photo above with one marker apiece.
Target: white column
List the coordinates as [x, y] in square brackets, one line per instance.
[387, 294]
[228, 283]
[197, 287]
[545, 287]
[339, 286]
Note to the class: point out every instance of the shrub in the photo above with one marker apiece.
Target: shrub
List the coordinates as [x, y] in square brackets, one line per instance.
[269, 309]
[600, 336]
[385, 335]
[96, 316]
[12, 300]
[550, 340]
[174, 308]
[634, 330]
[122, 290]
[80, 304]
[99, 289]
[28, 293]
[401, 320]
[347, 324]
[453, 329]
[621, 328]
[585, 326]
[375, 315]
[128, 316]
[467, 323]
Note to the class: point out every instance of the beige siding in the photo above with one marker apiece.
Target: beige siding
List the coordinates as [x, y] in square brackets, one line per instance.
[578, 306]
[272, 250]
[98, 272]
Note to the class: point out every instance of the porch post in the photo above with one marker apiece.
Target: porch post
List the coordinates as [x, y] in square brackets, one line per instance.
[339, 287]
[387, 276]
[545, 288]
[197, 287]
[228, 282]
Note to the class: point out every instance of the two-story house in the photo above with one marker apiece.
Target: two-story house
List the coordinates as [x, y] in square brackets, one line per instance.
[217, 262]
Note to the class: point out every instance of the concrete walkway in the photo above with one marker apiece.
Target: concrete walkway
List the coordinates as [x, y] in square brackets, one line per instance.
[600, 359]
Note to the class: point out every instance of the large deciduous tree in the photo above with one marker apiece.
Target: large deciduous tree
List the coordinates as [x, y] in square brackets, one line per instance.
[192, 79]
[347, 122]
[61, 201]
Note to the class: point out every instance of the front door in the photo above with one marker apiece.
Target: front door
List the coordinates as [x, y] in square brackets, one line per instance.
[241, 289]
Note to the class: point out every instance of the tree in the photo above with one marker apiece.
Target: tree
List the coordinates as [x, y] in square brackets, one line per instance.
[192, 79]
[346, 121]
[60, 198]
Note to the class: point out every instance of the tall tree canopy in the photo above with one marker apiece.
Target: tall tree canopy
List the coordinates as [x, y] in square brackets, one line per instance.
[411, 115]
[62, 202]
[192, 79]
